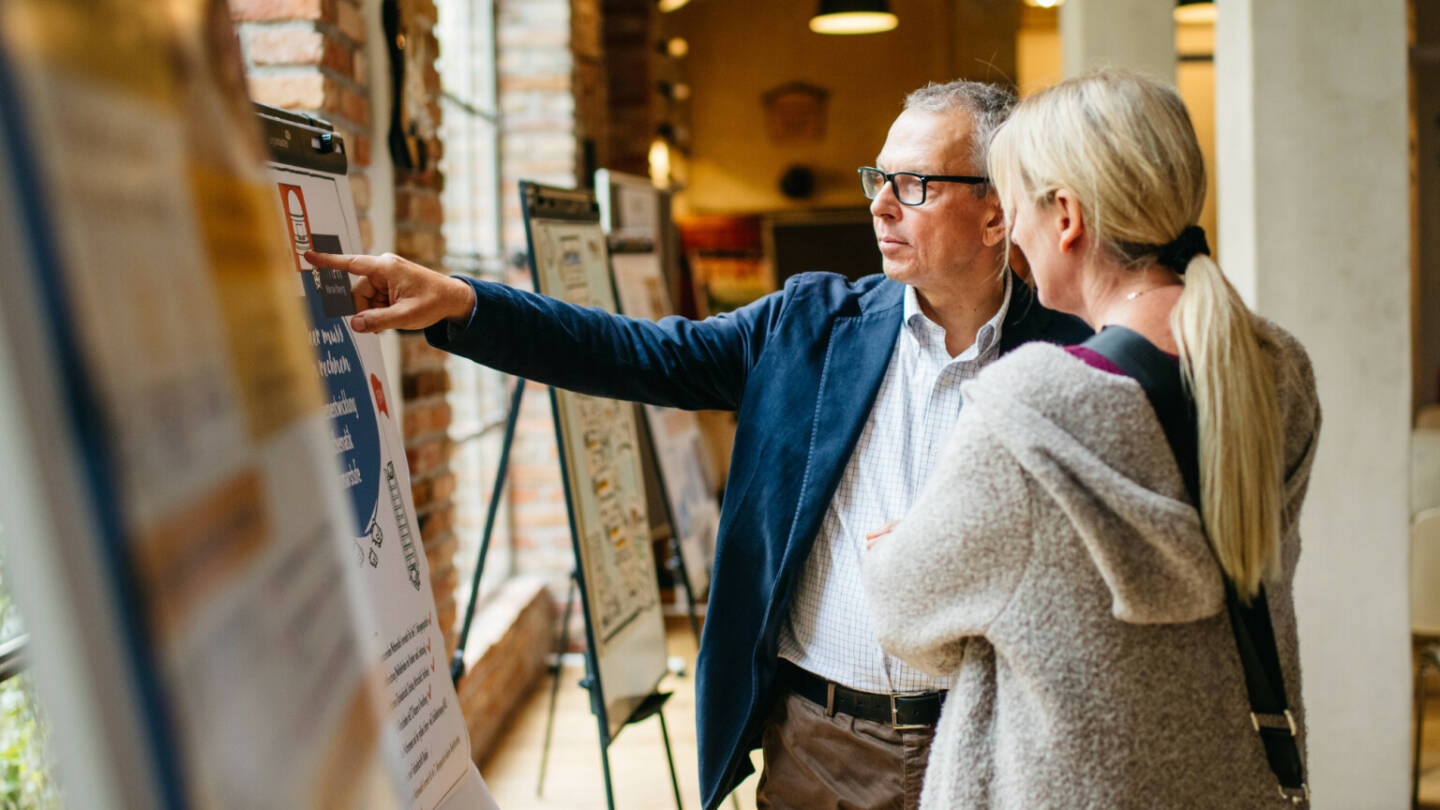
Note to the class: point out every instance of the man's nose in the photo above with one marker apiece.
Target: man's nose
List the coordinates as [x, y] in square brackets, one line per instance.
[885, 204]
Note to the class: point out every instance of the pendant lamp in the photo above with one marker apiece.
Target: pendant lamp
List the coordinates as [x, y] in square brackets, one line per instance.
[1195, 11]
[853, 17]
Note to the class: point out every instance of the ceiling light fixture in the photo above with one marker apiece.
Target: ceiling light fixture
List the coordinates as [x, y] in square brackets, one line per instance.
[671, 5]
[1195, 12]
[853, 17]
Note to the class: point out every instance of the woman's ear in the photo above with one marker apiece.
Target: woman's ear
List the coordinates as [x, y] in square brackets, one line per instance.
[1070, 220]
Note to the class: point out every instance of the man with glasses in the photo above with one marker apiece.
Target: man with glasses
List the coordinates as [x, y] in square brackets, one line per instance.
[844, 391]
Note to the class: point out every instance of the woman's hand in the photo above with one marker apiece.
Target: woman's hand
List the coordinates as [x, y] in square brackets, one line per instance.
[874, 537]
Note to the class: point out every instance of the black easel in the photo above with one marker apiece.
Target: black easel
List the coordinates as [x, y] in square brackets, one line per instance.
[457, 662]
[548, 203]
[675, 553]
[650, 706]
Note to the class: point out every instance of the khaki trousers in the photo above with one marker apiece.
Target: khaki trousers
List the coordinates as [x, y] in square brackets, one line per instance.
[839, 762]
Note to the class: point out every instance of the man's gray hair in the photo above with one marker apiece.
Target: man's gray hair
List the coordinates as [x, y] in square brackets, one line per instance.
[988, 105]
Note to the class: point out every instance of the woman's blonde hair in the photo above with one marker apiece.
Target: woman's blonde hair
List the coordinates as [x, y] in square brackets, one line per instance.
[1123, 144]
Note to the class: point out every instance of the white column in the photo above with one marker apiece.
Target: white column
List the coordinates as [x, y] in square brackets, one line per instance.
[1314, 219]
[1134, 34]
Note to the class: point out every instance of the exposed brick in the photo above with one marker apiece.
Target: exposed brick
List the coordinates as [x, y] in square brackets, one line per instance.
[301, 91]
[361, 67]
[418, 205]
[444, 486]
[445, 614]
[427, 456]
[446, 583]
[416, 354]
[425, 491]
[256, 10]
[552, 82]
[290, 44]
[435, 524]
[345, 101]
[360, 190]
[340, 57]
[505, 659]
[422, 247]
[440, 553]
[420, 489]
[367, 234]
[360, 150]
[425, 384]
[350, 21]
[421, 420]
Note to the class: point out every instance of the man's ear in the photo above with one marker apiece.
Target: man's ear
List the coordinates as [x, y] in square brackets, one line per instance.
[1070, 220]
[992, 233]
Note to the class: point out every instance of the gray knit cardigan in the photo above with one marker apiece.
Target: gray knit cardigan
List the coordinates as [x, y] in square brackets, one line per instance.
[1054, 566]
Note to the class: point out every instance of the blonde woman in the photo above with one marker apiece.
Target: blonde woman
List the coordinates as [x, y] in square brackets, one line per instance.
[1068, 563]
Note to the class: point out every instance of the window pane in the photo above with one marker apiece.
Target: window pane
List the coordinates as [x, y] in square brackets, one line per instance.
[478, 398]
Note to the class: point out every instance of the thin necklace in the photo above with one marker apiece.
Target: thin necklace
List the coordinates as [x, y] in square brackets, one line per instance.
[1132, 296]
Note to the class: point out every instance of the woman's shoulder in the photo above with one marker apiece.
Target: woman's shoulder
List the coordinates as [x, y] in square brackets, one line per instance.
[1296, 395]
[1048, 377]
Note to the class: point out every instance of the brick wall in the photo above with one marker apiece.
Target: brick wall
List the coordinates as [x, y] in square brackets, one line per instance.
[541, 138]
[559, 63]
[419, 216]
[310, 56]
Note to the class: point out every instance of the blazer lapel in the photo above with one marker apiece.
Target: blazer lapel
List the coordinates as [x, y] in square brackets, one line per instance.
[856, 358]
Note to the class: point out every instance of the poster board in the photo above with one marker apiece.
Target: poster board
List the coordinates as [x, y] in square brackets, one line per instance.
[314, 200]
[172, 514]
[604, 477]
[633, 211]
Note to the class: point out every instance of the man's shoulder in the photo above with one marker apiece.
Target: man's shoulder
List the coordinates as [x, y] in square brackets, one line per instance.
[834, 293]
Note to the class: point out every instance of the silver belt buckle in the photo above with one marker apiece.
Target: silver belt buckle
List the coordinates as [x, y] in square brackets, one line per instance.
[1296, 796]
[895, 713]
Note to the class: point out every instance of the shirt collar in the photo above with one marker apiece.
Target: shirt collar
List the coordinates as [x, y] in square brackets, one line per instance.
[918, 326]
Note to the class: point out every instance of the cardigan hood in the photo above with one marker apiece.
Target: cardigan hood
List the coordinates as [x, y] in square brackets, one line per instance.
[1125, 499]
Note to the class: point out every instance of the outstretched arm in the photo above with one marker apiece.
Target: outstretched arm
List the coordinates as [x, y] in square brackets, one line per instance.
[675, 362]
[396, 293]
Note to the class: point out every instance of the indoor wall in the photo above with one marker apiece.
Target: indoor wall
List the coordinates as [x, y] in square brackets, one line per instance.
[740, 49]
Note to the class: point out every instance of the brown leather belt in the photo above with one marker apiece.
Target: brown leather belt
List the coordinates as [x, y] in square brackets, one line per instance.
[906, 710]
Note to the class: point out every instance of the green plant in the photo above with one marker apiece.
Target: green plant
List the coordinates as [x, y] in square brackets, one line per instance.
[25, 774]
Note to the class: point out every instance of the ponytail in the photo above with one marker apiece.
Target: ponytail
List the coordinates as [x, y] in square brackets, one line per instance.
[1124, 144]
[1231, 381]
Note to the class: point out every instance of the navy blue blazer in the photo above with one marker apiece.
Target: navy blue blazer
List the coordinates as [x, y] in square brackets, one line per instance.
[802, 366]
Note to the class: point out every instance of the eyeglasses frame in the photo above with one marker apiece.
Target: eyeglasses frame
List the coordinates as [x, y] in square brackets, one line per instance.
[925, 180]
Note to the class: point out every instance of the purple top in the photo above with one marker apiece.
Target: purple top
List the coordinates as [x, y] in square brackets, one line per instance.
[1090, 357]
[1093, 358]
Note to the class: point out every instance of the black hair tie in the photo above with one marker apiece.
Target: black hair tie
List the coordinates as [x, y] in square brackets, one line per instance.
[1177, 254]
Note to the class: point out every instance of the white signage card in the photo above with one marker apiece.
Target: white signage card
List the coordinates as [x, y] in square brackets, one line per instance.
[166, 255]
[676, 433]
[385, 546]
[606, 488]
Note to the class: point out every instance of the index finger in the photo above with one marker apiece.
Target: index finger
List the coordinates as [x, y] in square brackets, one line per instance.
[359, 265]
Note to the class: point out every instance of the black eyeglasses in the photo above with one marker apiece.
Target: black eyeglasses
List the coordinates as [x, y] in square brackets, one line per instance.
[909, 186]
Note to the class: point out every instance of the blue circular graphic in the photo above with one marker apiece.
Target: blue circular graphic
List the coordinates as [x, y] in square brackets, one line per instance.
[353, 427]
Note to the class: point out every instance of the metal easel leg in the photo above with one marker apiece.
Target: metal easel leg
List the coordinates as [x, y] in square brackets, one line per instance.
[457, 661]
[670, 759]
[560, 644]
[684, 579]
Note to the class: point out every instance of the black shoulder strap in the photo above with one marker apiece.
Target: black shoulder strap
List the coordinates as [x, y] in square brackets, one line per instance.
[1159, 376]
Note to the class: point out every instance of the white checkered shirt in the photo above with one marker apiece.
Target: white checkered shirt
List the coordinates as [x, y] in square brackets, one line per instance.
[828, 629]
